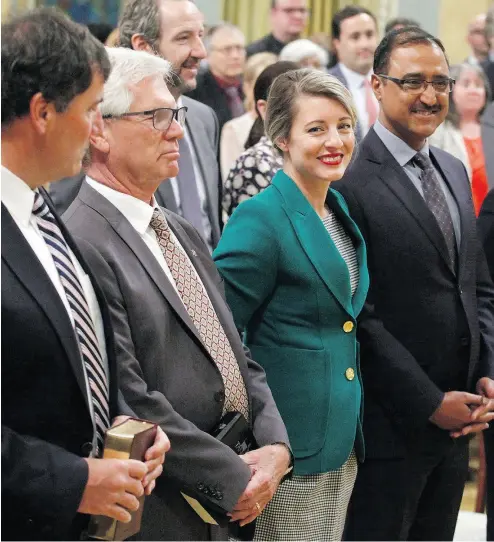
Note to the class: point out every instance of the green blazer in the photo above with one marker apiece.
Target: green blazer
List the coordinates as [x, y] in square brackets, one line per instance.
[289, 290]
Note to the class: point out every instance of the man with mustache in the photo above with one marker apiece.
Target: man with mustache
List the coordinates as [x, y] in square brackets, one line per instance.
[355, 40]
[427, 334]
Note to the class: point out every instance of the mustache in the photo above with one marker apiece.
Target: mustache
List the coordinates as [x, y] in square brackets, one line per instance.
[427, 108]
[191, 62]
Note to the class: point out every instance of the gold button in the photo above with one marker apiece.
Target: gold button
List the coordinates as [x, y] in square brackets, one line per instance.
[348, 327]
[350, 374]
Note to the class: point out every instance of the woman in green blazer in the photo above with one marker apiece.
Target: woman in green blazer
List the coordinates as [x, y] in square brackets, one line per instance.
[294, 266]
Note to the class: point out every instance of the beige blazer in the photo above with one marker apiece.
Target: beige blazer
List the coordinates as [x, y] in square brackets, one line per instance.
[449, 139]
[233, 137]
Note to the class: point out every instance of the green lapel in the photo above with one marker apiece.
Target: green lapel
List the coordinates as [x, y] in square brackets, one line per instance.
[318, 245]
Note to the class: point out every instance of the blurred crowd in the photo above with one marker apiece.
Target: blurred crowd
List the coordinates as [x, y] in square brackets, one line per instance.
[174, 249]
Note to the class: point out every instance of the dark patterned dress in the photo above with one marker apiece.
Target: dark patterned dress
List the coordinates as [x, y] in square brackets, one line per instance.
[251, 174]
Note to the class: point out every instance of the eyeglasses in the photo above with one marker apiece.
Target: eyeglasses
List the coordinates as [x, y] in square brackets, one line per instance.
[229, 49]
[415, 85]
[162, 117]
[293, 11]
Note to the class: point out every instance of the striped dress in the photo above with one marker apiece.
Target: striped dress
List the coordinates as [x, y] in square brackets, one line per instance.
[313, 506]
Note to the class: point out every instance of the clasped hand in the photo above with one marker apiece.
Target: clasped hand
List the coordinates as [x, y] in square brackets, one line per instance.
[268, 466]
[462, 413]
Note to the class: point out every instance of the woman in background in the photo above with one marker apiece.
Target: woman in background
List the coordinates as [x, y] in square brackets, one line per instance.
[254, 168]
[235, 132]
[295, 272]
[306, 54]
[460, 134]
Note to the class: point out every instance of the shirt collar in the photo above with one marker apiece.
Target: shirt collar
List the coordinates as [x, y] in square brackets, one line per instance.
[354, 79]
[401, 151]
[136, 211]
[17, 196]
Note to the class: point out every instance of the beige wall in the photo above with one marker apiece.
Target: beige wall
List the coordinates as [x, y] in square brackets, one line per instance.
[454, 17]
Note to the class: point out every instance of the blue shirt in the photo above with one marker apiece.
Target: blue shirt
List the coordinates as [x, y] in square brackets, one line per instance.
[404, 155]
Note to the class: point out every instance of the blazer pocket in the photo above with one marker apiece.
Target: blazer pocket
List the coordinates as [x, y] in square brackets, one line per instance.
[300, 381]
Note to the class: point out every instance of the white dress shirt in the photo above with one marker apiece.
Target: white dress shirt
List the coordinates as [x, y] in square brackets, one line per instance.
[356, 87]
[201, 187]
[139, 214]
[18, 198]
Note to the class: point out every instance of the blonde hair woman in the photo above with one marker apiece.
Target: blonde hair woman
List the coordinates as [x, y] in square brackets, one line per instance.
[295, 272]
[235, 131]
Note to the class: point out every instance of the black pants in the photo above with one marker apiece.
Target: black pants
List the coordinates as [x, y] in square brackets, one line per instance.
[489, 459]
[413, 498]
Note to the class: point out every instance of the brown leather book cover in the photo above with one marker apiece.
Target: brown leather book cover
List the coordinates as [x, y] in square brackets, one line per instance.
[128, 440]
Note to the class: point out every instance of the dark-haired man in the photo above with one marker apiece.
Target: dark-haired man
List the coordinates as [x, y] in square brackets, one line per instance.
[59, 387]
[400, 22]
[288, 19]
[355, 39]
[427, 336]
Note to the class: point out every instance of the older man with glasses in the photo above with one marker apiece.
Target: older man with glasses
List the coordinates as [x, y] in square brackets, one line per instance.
[182, 363]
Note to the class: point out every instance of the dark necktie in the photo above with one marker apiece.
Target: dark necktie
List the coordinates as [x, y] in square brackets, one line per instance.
[235, 101]
[201, 310]
[187, 188]
[436, 201]
[83, 322]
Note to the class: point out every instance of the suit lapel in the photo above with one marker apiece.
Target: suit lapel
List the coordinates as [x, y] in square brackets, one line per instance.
[353, 232]
[19, 256]
[315, 241]
[131, 238]
[395, 178]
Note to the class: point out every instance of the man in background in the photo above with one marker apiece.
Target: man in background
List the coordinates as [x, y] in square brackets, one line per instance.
[220, 84]
[355, 40]
[479, 48]
[288, 19]
[488, 65]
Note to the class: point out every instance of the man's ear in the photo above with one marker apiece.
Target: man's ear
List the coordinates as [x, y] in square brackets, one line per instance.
[98, 137]
[376, 84]
[41, 113]
[139, 43]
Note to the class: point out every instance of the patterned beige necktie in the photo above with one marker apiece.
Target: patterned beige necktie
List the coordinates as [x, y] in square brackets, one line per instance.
[202, 313]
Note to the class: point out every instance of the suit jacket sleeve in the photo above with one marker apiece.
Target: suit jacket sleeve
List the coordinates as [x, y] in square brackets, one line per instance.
[390, 371]
[35, 472]
[195, 456]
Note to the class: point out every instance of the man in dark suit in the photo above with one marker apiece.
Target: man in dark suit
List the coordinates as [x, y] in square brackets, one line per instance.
[355, 39]
[59, 385]
[427, 338]
[220, 84]
[487, 132]
[181, 360]
[485, 225]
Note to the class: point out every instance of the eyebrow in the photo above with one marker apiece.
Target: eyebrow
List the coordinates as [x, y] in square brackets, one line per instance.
[419, 74]
[346, 117]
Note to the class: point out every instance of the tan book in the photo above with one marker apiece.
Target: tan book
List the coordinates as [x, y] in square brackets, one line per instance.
[128, 440]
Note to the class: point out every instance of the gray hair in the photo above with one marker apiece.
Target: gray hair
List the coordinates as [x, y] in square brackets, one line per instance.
[216, 28]
[140, 17]
[455, 73]
[298, 50]
[129, 67]
[285, 91]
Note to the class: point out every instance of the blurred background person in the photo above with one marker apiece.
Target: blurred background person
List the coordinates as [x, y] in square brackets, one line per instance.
[477, 41]
[295, 272]
[306, 54]
[355, 39]
[219, 85]
[256, 166]
[235, 132]
[400, 22]
[460, 134]
[288, 19]
[488, 65]
[487, 124]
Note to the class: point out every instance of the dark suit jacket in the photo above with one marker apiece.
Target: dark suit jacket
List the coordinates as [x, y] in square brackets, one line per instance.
[488, 67]
[425, 329]
[336, 71]
[46, 424]
[210, 93]
[203, 129]
[487, 126]
[166, 372]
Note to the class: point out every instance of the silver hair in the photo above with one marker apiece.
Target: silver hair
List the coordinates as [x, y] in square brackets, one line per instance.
[285, 91]
[129, 67]
[298, 50]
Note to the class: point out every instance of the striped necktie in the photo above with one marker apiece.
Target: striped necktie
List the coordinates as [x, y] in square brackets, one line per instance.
[83, 323]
